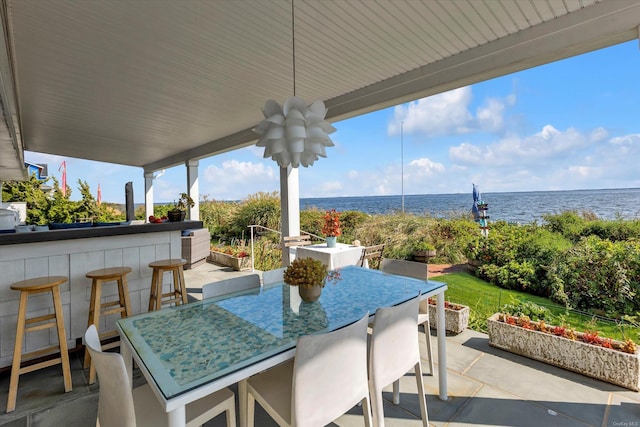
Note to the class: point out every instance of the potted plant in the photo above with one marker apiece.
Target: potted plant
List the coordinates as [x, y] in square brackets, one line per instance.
[331, 227]
[309, 275]
[422, 251]
[178, 211]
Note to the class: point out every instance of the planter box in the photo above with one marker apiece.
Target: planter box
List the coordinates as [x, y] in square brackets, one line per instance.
[236, 263]
[473, 264]
[423, 256]
[605, 364]
[455, 321]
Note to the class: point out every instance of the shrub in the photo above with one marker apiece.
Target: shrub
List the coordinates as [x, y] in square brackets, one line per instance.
[527, 309]
[603, 275]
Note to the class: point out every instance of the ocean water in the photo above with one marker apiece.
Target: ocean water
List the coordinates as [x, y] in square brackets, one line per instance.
[518, 207]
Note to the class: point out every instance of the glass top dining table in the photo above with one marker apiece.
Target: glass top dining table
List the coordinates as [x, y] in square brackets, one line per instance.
[188, 351]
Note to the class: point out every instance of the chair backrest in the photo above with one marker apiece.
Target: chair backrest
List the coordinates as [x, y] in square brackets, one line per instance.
[329, 374]
[418, 270]
[227, 286]
[273, 276]
[290, 241]
[394, 348]
[370, 253]
[115, 400]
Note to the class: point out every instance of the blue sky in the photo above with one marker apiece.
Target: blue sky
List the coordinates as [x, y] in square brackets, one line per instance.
[568, 125]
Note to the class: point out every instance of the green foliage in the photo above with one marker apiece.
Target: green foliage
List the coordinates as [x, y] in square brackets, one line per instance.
[529, 309]
[267, 254]
[575, 226]
[30, 192]
[513, 275]
[258, 209]
[569, 224]
[311, 221]
[349, 222]
[44, 207]
[485, 299]
[218, 216]
[602, 275]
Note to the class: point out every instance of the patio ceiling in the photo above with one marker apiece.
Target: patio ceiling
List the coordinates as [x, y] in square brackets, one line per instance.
[154, 83]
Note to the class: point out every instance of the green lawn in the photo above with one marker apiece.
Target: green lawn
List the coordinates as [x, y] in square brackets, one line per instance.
[485, 299]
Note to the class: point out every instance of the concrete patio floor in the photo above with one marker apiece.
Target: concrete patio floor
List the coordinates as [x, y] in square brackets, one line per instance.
[487, 387]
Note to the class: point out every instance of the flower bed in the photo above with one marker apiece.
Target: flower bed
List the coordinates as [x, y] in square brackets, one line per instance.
[586, 353]
[236, 258]
[456, 316]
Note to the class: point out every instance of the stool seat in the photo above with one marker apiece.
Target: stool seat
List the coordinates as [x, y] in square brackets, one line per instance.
[178, 295]
[168, 263]
[111, 273]
[38, 283]
[24, 324]
[97, 308]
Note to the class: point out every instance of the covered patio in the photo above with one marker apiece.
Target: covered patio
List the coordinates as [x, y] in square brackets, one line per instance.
[159, 84]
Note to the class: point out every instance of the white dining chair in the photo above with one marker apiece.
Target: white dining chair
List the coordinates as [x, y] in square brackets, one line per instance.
[393, 351]
[227, 286]
[327, 377]
[121, 406]
[417, 270]
[273, 276]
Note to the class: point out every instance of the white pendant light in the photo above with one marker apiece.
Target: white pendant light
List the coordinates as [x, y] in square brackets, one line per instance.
[294, 134]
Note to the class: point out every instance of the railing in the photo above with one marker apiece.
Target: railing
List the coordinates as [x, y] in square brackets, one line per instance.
[275, 231]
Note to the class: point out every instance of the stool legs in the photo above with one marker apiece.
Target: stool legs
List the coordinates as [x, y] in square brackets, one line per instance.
[17, 352]
[178, 284]
[22, 328]
[177, 296]
[94, 319]
[62, 339]
[96, 310]
[155, 299]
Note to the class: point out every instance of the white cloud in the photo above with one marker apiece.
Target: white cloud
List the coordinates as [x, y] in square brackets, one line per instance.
[235, 180]
[425, 167]
[490, 117]
[549, 144]
[449, 114]
[435, 115]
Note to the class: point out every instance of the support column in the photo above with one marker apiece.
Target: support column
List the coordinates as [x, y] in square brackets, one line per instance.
[193, 188]
[289, 206]
[148, 195]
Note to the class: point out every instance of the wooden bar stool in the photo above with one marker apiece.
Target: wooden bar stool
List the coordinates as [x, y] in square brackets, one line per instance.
[32, 287]
[98, 308]
[179, 293]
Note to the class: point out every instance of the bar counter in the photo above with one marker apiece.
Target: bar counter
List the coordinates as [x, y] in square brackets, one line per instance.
[73, 253]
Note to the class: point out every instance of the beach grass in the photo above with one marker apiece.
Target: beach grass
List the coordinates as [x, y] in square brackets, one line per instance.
[485, 299]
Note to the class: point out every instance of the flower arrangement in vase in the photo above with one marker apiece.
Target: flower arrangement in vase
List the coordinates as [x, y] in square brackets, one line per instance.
[331, 227]
[309, 275]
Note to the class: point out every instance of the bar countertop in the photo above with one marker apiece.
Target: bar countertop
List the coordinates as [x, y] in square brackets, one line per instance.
[89, 232]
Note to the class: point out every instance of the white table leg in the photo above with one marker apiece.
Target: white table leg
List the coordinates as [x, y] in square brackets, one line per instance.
[177, 417]
[442, 349]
